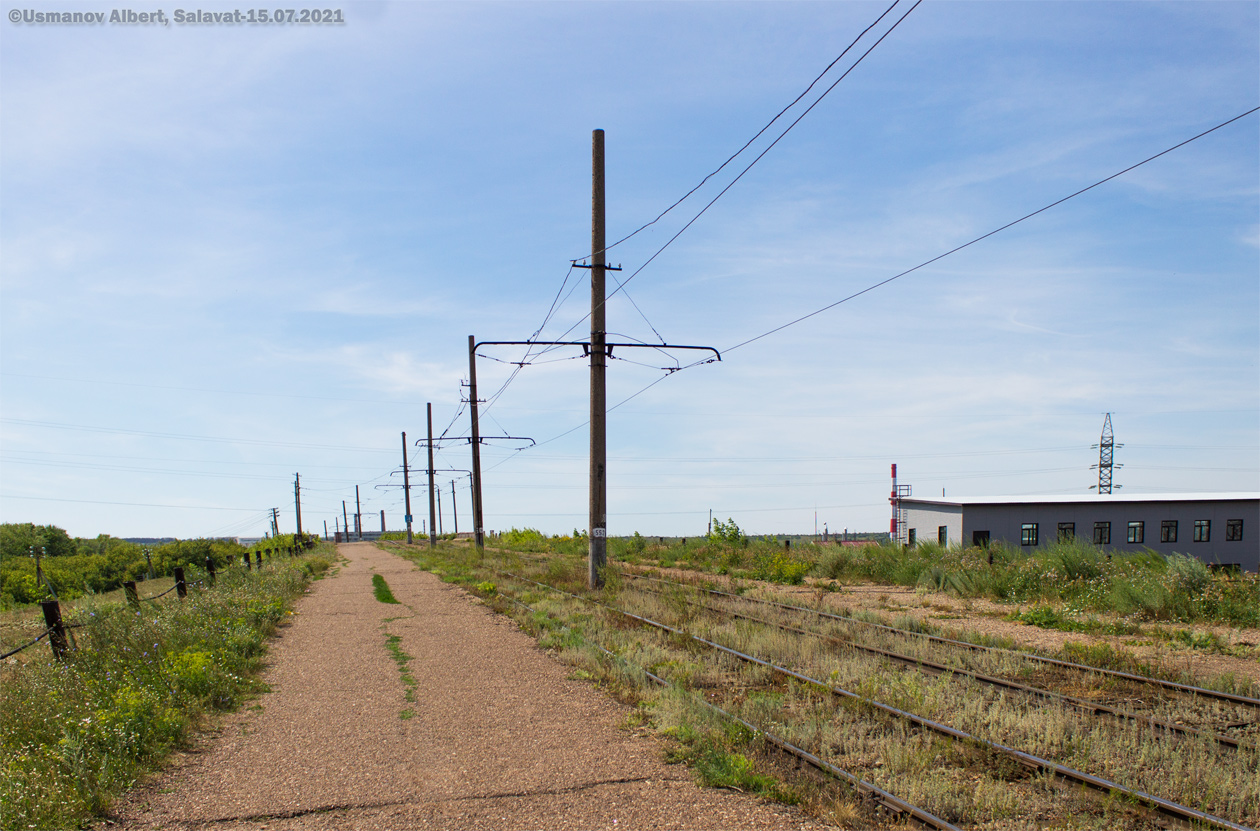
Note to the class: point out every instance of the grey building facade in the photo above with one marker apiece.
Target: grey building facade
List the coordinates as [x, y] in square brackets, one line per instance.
[1222, 528]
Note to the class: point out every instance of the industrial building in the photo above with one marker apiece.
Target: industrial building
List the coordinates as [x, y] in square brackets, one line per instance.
[1217, 528]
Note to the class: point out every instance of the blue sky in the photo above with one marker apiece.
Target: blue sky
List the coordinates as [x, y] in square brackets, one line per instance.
[233, 253]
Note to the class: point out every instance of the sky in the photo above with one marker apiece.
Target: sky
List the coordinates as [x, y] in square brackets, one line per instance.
[233, 253]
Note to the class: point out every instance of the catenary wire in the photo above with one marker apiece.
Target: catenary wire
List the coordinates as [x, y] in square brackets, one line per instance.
[747, 144]
[939, 257]
[758, 158]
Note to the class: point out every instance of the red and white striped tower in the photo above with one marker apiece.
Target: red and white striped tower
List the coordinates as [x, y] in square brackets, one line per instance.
[892, 498]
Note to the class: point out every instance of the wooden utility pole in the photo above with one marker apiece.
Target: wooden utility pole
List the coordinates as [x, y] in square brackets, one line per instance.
[345, 520]
[406, 487]
[432, 518]
[454, 510]
[297, 500]
[438, 491]
[358, 513]
[599, 444]
[479, 534]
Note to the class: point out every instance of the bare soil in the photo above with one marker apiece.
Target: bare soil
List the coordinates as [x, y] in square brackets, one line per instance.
[499, 736]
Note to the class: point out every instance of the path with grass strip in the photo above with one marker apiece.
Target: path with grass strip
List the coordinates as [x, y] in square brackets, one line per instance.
[428, 713]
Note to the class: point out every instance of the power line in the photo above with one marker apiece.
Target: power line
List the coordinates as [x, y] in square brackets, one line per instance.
[132, 504]
[748, 144]
[186, 437]
[622, 284]
[991, 233]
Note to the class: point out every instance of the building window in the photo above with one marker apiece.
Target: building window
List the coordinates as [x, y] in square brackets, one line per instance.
[911, 538]
[1067, 531]
[1102, 533]
[980, 539]
[942, 534]
[1028, 533]
[1203, 530]
[1137, 532]
[1233, 530]
[1168, 530]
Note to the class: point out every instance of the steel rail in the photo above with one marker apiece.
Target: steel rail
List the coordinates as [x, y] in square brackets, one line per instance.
[892, 803]
[1182, 812]
[1142, 679]
[1085, 705]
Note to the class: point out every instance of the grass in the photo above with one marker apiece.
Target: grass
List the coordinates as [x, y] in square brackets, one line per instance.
[73, 735]
[1141, 586]
[403, 661]
[381, 589]
[954, 780]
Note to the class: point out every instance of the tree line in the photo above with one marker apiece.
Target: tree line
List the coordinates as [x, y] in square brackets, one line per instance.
[75, 566]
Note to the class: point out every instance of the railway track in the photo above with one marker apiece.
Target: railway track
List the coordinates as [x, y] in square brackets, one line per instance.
[1029, 656]
[894, 805]
[1243, 712]
[1166, 807]
[1092, 707]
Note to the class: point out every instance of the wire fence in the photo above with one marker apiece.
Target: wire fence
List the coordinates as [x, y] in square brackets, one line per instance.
[59, 632]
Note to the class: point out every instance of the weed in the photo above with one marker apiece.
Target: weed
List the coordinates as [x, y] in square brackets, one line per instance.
[381, 589]
[74, 734]
[402, 660]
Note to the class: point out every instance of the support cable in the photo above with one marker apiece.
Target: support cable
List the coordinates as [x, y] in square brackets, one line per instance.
[748, 144]
[817, 101]
[991, 233]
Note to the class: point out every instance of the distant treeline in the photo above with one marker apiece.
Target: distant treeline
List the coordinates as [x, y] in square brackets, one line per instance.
[74, 566]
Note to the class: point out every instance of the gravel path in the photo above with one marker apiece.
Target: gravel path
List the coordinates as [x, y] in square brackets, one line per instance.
[499, 737]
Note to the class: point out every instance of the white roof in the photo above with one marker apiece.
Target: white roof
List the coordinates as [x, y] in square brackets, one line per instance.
[960, 501]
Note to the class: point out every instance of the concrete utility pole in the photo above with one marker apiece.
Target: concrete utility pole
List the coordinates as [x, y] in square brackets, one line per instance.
[406, 488]
[438, 491]
[358, 513]
[599, 444]
[326, 529]
[432, 517]
[382, 520]
[297, 500]
[454, 509]
[345, 521]
[479, 535]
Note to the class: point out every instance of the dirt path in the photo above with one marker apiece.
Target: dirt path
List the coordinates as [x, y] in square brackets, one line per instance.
[498, 736]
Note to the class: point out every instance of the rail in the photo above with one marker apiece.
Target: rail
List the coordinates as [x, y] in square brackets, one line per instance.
[1165, 806]
[1093, 707]
[889, 801]
[1142, 679]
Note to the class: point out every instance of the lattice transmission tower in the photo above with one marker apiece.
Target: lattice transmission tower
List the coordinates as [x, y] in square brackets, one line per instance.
[1106, 451]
